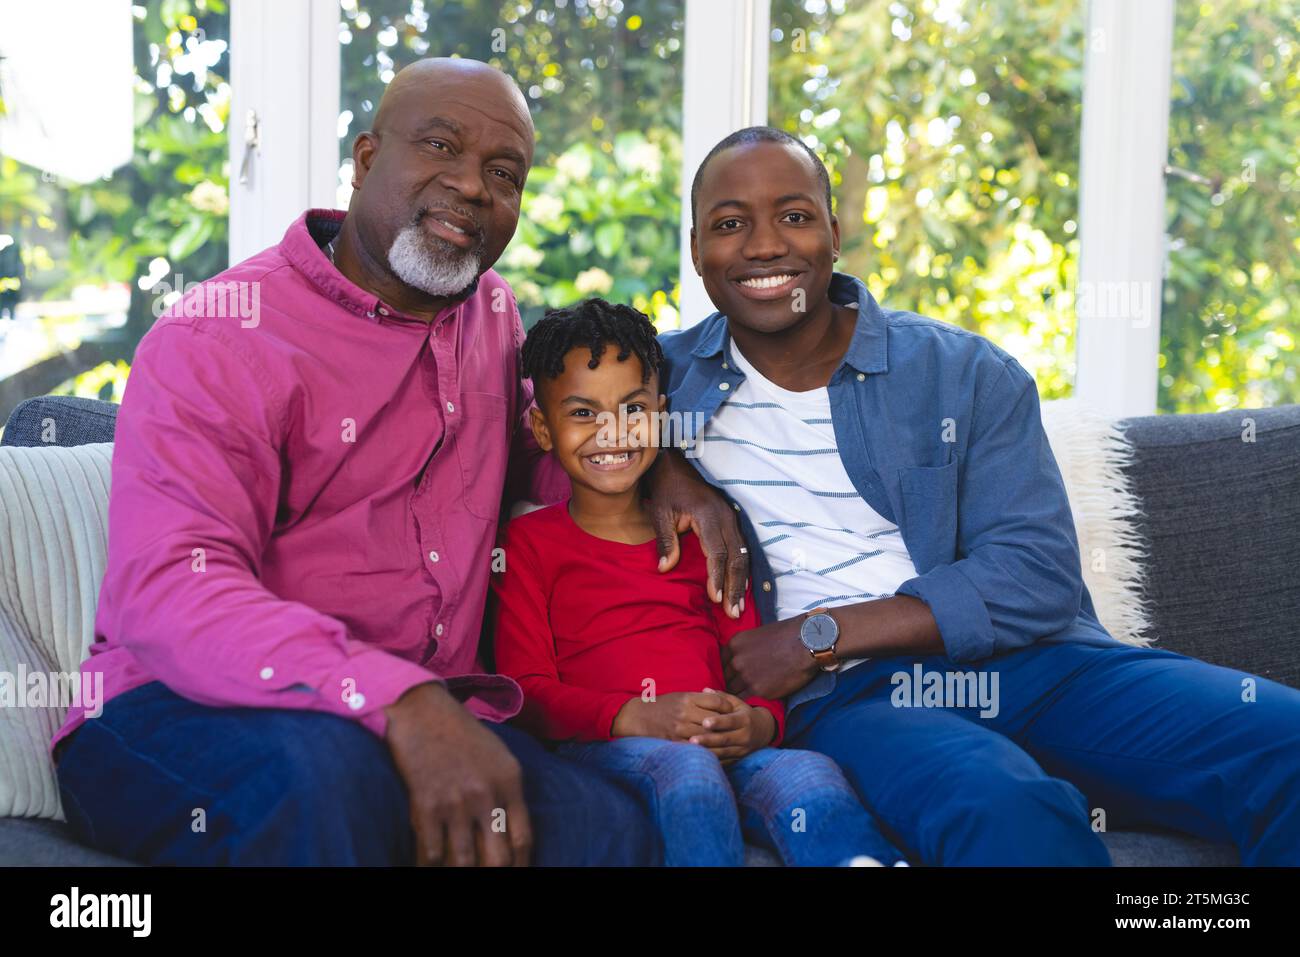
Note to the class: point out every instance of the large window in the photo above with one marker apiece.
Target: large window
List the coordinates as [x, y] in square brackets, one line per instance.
[1231, 313]
[951, 130]
[603, 81]
[113, 182]
[955, 133]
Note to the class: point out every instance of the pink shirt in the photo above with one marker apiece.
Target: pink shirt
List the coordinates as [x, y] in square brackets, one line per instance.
[305, 493]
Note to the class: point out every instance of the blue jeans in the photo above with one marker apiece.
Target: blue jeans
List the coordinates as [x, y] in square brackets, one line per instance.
[796, 803]
[159, 779]
[1084, 738]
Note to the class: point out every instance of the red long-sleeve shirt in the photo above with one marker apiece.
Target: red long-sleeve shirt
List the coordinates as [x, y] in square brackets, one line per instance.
[583, 624]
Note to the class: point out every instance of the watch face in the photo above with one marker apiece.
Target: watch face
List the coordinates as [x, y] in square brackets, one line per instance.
[819, 632]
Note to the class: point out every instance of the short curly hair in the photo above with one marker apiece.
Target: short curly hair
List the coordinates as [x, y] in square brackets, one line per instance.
[594, 324]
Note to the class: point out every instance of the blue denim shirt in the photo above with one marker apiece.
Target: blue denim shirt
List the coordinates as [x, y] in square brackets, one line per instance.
[940, 432]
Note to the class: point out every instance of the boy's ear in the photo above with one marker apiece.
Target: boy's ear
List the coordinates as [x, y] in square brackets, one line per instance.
[663, 401]
[695, 253]
[540, 432]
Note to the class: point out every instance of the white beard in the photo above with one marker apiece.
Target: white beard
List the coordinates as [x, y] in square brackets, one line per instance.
[430, 264]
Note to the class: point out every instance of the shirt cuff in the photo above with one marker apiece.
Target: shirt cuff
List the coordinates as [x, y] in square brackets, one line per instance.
[958, 609]
[605, 724]
[777, 711]
[371, 681]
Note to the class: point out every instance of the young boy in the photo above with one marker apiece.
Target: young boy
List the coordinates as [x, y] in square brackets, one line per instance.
[618, 661]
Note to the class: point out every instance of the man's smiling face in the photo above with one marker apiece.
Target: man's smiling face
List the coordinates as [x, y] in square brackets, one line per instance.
[762, 234]
[440, 178]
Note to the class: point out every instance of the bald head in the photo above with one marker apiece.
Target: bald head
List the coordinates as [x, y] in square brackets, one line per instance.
[439, 178]
[428, 77]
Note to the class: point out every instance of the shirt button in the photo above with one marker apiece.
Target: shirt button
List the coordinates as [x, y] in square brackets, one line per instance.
[736, 506]
[725, 366]
[370, 314]
[438, 630]
[724, 386]
[450, 407]
[862, 377]
[383, 311]
[767, 586]
[357, 701]
[267, 673]
[433, 556]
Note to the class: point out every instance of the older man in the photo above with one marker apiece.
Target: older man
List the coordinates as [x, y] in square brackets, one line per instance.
[303, 510]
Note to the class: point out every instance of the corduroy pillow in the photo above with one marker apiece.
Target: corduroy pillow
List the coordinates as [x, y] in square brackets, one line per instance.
[53, 549]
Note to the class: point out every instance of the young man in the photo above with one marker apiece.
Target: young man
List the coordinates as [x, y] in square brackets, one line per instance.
[303, 508]
[904, 511]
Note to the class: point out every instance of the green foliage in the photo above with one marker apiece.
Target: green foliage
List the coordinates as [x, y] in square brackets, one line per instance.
[169, 203]
[598, 223]
[1231, 313]
[976, 223]
[952, 136]
[951, 130]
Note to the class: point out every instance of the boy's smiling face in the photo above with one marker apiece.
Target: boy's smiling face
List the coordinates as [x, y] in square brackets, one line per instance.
[763, 233]
[579, 421]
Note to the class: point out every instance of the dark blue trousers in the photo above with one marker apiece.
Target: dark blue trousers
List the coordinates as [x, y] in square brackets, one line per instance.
[1084, 738]
[159, 779]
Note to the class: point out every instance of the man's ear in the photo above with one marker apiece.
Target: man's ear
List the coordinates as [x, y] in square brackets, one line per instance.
[835, 237]
[364, 148]
[695, 253]
[540, 432]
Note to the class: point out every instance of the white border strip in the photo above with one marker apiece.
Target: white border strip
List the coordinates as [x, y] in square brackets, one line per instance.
[724, 89]
[284, 64]
[1125, 141]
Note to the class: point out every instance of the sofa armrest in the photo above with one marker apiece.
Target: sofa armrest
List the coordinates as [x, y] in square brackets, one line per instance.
[60, 420]
[1221, 517]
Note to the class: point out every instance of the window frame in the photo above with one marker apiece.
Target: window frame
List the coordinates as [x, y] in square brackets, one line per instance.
[284, 67]
[1124, 148]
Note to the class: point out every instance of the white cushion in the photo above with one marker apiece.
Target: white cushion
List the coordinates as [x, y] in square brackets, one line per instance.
[1092, 453]
[53, 548]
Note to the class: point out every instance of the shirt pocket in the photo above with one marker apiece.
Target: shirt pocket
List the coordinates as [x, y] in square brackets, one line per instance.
[481, 447]
[930, 512]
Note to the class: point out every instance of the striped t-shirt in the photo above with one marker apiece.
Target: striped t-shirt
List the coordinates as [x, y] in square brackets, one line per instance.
[774, 452]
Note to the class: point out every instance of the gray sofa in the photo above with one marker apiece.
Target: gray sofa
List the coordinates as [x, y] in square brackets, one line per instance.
[1222, 530]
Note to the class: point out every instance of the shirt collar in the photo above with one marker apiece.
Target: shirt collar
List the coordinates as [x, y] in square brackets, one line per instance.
[868, 350]
[303, 246]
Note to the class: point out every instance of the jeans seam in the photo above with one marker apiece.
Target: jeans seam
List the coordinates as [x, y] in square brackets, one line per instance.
[1114, 756]
[776, 844]
[616, 772]
[623, 773]
[157, 766]
[70, 798]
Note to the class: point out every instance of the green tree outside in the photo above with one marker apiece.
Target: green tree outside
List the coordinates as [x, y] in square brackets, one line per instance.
[951, 128]
[1231, 313]
[163, 214]
[952, 132]
[601, 209]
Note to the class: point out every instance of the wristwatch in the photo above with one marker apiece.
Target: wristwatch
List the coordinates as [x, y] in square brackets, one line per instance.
[819, 633]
